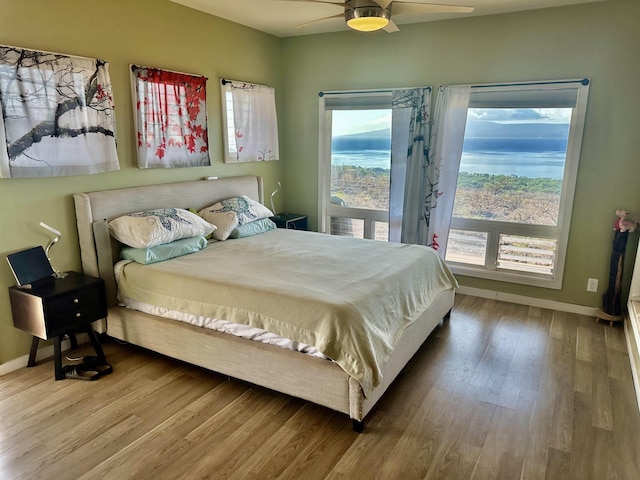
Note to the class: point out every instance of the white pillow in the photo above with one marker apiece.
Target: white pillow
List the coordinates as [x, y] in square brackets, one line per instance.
[225, 222]
[247, 210]
[155, 227]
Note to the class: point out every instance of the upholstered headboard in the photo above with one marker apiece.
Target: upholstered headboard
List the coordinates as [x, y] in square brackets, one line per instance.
[99, 251]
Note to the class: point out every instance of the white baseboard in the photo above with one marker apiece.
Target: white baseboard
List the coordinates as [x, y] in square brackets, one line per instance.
[531, 301]
[44, 352]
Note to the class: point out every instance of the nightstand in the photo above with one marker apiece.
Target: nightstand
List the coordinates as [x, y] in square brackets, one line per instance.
[293, 221]
[64, 307]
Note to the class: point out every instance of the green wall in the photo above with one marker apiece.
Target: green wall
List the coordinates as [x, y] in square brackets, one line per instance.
[155, 33]
[596, 40]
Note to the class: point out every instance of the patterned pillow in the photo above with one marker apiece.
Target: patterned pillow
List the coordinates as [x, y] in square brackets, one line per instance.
[155, 227]
[225, 223]
[247, 210]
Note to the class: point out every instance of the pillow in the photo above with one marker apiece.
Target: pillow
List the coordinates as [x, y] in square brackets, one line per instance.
[253, 228]
[225, 223]
[163, 252]
[155, 227]
[247, 210]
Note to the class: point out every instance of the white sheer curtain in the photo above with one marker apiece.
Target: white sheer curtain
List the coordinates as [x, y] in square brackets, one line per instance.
[254, 120]
[441, 174]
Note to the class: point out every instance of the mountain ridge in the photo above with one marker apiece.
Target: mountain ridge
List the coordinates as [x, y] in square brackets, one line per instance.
[481, 129]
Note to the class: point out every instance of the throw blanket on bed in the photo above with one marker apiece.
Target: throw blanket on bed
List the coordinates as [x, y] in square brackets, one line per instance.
[350, 298]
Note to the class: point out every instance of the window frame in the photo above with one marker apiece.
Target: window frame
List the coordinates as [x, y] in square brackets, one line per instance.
[559, 232]
[228, 139]
[329, 101]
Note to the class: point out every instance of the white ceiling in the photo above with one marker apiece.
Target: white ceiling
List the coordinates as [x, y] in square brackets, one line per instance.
[281, 18]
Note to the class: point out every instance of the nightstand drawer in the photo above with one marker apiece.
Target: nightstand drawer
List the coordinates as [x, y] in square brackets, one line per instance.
[73, 301]
[75, 317]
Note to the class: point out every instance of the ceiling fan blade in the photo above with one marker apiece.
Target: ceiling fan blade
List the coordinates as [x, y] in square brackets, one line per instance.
[391, 27]
[404, 8]
[328, 2]
[306, 24]
[383, 3]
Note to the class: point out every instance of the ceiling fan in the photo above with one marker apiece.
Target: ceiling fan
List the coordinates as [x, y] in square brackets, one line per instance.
[371, 15]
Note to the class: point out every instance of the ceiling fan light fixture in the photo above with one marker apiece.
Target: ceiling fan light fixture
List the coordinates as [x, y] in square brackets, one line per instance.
[368, 19]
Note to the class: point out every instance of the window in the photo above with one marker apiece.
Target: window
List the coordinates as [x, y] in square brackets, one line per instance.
[355, 164]
[516, 180]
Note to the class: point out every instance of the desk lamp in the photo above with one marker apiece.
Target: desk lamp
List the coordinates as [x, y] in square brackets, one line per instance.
[58, 235]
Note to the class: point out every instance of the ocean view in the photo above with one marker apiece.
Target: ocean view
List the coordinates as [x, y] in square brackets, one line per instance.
[530, 194]
[510, 171]
[523, 157]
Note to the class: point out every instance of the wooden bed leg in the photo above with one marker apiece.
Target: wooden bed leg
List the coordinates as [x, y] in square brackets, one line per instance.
[358, 426]
[447, 315]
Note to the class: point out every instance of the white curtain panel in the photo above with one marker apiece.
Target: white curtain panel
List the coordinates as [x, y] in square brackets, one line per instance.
[255, 122]
[447, 137]
[57, 115]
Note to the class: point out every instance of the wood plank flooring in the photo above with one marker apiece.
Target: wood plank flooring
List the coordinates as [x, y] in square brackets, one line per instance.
[498, 391]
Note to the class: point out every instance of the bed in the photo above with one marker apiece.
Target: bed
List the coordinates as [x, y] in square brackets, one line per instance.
[357, 374]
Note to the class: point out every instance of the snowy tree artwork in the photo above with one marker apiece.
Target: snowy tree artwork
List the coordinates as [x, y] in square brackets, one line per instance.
[57, 115]
[171, 118]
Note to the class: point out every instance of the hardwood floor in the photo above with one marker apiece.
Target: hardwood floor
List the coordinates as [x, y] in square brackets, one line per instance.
[498, 391]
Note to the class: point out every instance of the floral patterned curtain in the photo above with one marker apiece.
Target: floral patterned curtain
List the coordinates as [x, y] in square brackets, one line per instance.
[57, 115]
[171, 118]
[251, 112]
[441, 172]
[409, 152]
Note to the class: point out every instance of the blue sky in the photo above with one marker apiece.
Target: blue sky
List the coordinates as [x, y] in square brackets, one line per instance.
[346, 122]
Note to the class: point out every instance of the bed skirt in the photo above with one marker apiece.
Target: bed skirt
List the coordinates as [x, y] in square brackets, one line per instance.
[323, 382]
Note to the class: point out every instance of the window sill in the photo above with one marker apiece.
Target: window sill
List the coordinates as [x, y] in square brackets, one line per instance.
[507, 276]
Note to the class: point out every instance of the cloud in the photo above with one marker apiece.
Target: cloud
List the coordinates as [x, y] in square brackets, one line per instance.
[520, 115]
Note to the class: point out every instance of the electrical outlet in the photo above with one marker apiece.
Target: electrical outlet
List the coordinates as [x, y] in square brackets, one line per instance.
[592, 285]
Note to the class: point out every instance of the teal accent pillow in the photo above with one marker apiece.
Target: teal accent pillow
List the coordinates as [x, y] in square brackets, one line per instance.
[163, 252]
[253, 228]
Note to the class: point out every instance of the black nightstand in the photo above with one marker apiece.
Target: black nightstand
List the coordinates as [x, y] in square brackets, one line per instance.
[293, 221]
[65, 306]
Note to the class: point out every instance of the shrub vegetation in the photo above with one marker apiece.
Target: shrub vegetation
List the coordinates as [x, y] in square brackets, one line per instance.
[507, 198]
